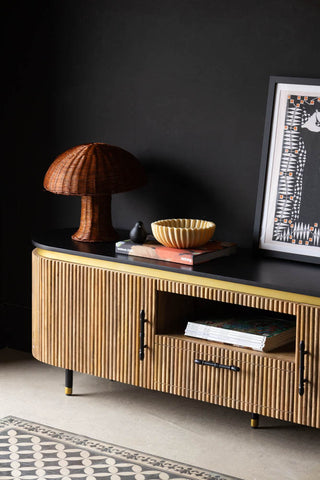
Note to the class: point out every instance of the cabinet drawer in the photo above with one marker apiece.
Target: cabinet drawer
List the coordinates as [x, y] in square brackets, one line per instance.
[256, 383]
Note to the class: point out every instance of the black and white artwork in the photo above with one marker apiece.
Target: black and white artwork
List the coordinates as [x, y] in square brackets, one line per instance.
[290, 216]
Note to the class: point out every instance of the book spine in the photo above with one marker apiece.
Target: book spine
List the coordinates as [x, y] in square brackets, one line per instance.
[122, 248]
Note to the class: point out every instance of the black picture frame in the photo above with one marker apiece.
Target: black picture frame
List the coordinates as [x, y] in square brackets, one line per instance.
[287, 217]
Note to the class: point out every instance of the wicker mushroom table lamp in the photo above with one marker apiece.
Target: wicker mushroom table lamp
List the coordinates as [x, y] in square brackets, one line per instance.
[94, 171]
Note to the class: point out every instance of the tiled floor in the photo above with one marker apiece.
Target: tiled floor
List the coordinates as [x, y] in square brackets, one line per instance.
[188, 431]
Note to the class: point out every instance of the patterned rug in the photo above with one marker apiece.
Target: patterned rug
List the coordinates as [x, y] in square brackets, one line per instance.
[31, 451]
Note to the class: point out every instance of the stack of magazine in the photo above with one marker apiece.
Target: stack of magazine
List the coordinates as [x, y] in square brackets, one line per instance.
[263, 333]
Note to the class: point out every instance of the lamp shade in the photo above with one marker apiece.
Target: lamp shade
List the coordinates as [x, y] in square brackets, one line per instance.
[94, 171]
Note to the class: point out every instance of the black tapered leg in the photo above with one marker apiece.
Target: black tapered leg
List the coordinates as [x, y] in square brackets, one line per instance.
[254, 420]
[68, 382]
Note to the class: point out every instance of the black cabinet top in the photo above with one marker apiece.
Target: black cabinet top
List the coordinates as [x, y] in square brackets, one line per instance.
[245, 267]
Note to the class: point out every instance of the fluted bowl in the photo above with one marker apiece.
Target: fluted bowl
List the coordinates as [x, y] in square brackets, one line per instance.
[183, 232]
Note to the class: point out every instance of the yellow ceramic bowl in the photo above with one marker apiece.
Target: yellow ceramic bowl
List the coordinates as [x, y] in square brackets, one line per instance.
[183, 232]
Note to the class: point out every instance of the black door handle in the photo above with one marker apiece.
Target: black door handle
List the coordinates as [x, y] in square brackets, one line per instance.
[302, 380]
[141, 335]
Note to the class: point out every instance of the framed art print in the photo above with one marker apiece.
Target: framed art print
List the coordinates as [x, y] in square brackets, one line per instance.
[287, 220]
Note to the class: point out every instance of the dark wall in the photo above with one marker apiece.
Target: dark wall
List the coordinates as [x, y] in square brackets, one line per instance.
[181, 84]
[26, 142]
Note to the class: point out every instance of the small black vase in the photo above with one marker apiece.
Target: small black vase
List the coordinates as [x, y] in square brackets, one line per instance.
[138, 233]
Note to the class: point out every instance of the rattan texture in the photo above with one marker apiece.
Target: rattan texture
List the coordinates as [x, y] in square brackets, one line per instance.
[94, 169]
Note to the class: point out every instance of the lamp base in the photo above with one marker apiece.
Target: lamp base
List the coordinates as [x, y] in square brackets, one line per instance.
[95, 221]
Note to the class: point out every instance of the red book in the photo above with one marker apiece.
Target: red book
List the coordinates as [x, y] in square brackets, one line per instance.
[188, 256]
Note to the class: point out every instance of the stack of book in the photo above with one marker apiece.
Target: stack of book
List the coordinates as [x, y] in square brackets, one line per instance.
[263, 334]
[187, 256]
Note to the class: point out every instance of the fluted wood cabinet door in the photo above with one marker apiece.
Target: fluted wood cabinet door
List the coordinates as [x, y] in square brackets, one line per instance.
[307, 406]
[87, 319]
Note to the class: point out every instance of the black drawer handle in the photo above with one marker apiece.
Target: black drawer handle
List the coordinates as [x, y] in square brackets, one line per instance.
[217, 365]
[302, 380]
[141, 335]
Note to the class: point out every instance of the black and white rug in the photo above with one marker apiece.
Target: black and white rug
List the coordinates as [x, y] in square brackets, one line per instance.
[30, 451]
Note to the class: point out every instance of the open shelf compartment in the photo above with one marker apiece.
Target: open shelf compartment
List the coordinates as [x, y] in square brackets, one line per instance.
[174, 311]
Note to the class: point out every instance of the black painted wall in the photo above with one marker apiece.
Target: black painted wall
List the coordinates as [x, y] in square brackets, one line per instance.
[182, 84]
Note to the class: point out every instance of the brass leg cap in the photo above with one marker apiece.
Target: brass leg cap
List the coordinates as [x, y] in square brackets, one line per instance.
[68, 391]
[254, 423]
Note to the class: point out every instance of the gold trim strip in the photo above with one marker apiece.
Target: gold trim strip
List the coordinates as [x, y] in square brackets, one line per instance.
[179, 277]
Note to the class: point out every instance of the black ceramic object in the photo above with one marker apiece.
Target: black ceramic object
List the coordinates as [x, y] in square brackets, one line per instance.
[138, 233]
